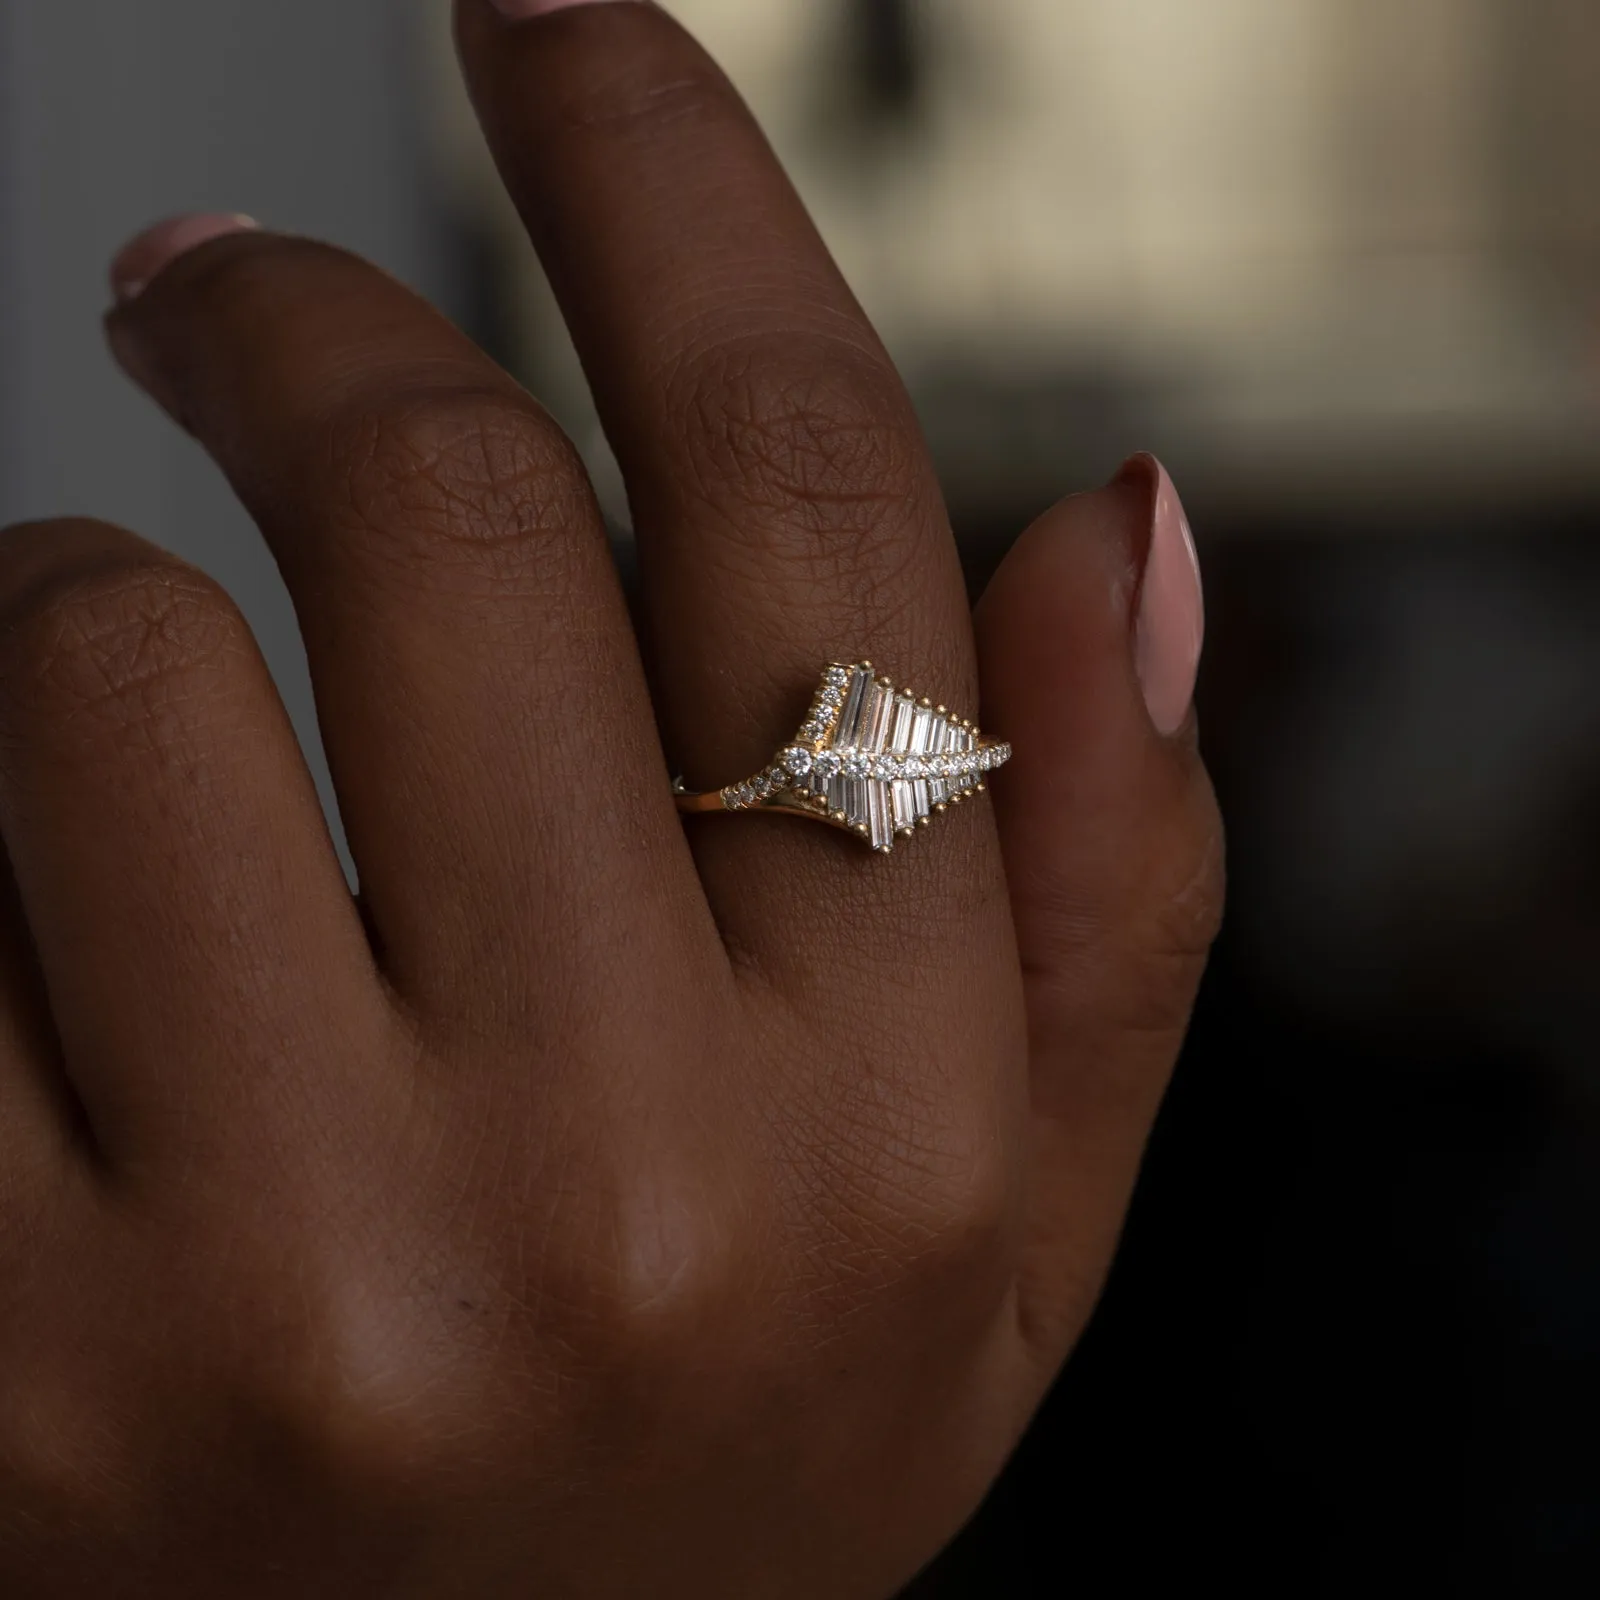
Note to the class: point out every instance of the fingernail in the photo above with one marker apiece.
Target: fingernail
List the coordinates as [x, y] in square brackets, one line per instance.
[1171, 622]
[537, 8]
[157, 248]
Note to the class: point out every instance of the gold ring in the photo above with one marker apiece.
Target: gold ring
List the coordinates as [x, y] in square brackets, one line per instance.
[870, 758]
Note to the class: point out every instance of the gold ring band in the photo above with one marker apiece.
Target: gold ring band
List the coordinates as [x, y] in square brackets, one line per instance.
[869, 758]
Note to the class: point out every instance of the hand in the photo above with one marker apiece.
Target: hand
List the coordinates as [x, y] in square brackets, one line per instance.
[613, 1204]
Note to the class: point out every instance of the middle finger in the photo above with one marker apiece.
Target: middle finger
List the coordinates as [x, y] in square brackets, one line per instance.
[477, 681]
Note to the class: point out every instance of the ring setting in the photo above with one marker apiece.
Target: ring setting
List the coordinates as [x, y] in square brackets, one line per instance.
[870, 758]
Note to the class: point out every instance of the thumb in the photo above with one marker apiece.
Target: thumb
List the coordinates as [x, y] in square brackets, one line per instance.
[1089, 639]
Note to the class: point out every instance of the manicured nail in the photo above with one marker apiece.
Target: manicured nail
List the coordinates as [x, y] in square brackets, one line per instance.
[1171, 622]
[537, 8]
[157, 248]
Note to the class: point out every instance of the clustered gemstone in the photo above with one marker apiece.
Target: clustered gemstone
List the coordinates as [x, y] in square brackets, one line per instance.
[808, 768]
[897, 769]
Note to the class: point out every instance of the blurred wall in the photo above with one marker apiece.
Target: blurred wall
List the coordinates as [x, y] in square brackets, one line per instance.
[301, 112]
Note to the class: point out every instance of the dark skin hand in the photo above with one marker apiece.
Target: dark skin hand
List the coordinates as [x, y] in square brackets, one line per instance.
[612, 1204]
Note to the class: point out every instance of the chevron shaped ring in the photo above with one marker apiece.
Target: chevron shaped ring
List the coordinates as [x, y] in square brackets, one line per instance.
[870, 758]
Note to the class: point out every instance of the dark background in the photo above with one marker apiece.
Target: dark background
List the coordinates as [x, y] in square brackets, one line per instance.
[1338, 263]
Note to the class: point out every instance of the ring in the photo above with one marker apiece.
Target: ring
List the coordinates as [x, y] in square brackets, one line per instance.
[870, 758]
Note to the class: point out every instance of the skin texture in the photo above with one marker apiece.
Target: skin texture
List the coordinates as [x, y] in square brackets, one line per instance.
[603, 1205]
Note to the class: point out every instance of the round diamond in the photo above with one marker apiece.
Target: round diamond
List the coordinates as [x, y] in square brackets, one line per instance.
[826, 765]
[887, 767]
[857, 765]
[796, 759]
[916, 767]
[939, 767]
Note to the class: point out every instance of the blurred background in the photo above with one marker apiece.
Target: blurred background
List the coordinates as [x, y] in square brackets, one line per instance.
[1338, 263]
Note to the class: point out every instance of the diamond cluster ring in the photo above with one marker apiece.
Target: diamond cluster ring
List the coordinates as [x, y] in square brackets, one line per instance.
[870, 758]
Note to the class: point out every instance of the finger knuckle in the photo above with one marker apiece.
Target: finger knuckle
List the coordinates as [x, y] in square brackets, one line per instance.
[907, 1179]
[636, 100]
[811, 439]
[964, 1198]
[395, 1386]
[122, 642]
[1183, 915]
[250, 284]
[642, 1286]
[466, 486]
[1190, 917]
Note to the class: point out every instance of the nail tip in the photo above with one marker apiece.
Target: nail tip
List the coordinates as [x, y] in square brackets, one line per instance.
[1170, 627]
[144, 257]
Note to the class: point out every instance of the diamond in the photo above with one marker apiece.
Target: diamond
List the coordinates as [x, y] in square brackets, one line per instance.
[847, 732]
[880, 817]
[871, 758]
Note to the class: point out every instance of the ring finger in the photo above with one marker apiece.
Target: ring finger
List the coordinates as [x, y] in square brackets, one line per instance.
[785, 509]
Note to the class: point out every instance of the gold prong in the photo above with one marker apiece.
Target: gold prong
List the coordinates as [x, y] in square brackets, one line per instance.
[885, 683]
[863, 829]
[925, 701]
[866, 666]
[926, 822]
[942, 807]
[837, 816]
[979, 788]
[942, 710]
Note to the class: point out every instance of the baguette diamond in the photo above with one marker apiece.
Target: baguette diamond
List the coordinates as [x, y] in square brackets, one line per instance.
[868, 757]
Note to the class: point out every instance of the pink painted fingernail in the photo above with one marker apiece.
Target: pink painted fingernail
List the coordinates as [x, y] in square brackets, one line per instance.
[1171, 623]
[537, 8]
[158, 247]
